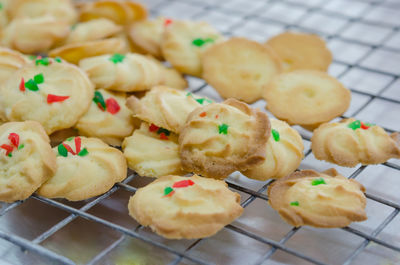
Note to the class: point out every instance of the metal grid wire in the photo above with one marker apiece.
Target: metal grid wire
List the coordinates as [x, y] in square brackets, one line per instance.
[271, 245]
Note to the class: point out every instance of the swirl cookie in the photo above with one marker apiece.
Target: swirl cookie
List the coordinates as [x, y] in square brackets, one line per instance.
[34, 35]
[307, 98]
[240, 68]
[123, 12]
[108, 118]
[301, 51]
[170, 77]
[10, 61]
[128, 73]
[87, 167]
[52, 92]
[152, 151]
[325, 200]
[221, 138]
[178, 207]
[92, 30]
[26, 159]
[284, 153]
[75, 52]
[185, 41]
[350, 142]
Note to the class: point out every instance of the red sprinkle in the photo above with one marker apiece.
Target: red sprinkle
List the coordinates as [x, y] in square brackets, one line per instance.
[8, 148]
[170, 194]
[69, 149]
[100, 106]
[364, 127]
[54, 98]
[203, 114]
[39, 57]
[14, 139]
[216, 116]
[22, 85]
[78, 144]
[183, 183]
[153, 128]
[112, 106]
[163, 136]
[167, 21]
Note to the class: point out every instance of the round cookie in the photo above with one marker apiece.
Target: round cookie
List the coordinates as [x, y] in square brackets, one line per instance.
[325, 200]
[240, 68]
[26, 159]
[87, 167]
[221, 138]
[10, 61]
[52, 92]
[75, 52]
[128, 73]
[284, 153]
[165, 107]
[350, 142]
[179, 207]
[107, 118]
[34, 35]
[153, 151]
[301, 51]
[307, 98]
[185, 41]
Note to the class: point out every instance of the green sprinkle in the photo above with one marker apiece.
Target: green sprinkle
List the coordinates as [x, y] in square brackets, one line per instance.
[198, 42]
[295, 203]
[70, 138]
[316, 182]
[38, 78]
[62, 151]
[223, 128]
[354, 125]
[58, 60]
[43, 61]
[189, 94]
[73, 27]
[168, 190]
[165, 131]
[1, 6]
[32, 57]
[276, 135]
[83, 152]
[21, 146]
[31, 85]
[98, 99]
[10, 155]
[200, 100]
[117, 58]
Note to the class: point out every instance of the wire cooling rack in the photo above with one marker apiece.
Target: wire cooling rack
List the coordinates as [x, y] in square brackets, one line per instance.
[365, 39]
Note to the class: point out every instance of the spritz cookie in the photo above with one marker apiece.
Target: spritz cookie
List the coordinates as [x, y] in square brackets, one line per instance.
[170, 77]
[10, 61]
[179, 207]
[26, 159]
[87, 167]
[325, 200]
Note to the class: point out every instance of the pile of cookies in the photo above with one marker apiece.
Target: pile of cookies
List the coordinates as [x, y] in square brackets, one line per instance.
[79, 81]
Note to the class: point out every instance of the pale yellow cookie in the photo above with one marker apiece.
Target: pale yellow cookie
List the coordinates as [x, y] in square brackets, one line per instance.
[350, 142]
[26, 159]
[184, 42]
[56, 94]
[108, 118]
[92, 30]
[221, 138]
[60, 9]
[87, 167]
[165, 107]
[325, 200]
[3, 13]
[34, 35]
[170, 76]
[128, 73]
[10, 61]
[240, 68]
[284, 153]
[307, 98]
[123, 12]
[153, 152]
[75, 52]
[179, 207]
[301, 51]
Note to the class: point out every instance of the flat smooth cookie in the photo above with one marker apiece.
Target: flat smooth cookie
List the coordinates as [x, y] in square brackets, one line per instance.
[350, 142]
[178, 207]
[87, 167]
[325, 200]
[240, 68]
[301, 51]
[26, 159]
[307, 98]
[221, 138]
[49, 91]
[184, 42]
[284, 153]
[153, 152]
[108, 118]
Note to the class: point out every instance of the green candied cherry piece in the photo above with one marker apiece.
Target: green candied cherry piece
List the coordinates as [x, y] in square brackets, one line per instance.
[21, 146]
[44, 61]
[295, 203]
[31, 85]
[223, 128]
[354, 125]
[162, 130]
[276, 135]
[316, 182]
[168, 190]
[39, 78]
[98, 99]
[83, 152]
[62, 151]
[117, 58]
